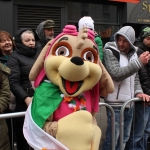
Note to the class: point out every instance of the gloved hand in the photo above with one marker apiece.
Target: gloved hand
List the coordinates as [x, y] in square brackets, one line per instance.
[51, 128]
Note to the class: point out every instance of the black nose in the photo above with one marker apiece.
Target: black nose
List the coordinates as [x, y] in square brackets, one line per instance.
[77, 60]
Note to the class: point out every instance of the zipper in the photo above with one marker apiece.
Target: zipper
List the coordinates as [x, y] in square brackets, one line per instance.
[118, 91]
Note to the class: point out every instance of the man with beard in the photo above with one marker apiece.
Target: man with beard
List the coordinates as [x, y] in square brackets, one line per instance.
[123, 64]
[45, 32]
[141, 124]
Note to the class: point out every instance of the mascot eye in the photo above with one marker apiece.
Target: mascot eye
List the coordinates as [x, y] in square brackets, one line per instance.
[89, 56]
[62, 51]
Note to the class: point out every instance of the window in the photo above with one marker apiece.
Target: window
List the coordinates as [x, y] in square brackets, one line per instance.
[105, 17]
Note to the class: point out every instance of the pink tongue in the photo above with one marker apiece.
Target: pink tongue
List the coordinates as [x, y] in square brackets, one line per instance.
[71, 87]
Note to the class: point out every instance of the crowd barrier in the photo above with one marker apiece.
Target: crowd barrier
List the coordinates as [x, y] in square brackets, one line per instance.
[122, 119]
[112, 122]
[20, 114]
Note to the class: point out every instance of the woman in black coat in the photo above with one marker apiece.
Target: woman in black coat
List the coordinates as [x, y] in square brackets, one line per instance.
[20, 63]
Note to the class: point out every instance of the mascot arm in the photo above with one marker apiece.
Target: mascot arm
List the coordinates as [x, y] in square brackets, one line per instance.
[51, 128]
[39, 63]
[106, 83]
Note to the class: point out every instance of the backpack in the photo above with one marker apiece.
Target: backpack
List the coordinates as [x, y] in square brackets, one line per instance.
[115, 53]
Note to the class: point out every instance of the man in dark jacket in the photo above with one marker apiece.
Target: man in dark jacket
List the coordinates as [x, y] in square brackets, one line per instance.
[45, 32]
[141, 124]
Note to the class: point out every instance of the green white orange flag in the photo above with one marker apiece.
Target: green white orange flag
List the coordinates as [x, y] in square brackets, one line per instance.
[38, 111]
[37, 138]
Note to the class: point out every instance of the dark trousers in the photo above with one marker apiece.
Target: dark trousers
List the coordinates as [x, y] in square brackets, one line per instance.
[21, 141]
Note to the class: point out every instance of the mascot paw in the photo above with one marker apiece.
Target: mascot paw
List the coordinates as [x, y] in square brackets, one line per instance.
[76, 131]
[51, 128]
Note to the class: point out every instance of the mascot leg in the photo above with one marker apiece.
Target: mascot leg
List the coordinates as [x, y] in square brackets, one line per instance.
[77, 132]
[97, 138]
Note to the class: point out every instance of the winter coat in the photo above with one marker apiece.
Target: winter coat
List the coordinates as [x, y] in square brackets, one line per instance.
[4, 102]
[123, 70]
[11, 108]
[99, 43]
[144, 73]
[20, 62]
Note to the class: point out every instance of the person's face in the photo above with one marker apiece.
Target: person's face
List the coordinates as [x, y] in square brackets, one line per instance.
[49, 33]
[6, 45]
[146, 41]
[123, 44]
[28, 40]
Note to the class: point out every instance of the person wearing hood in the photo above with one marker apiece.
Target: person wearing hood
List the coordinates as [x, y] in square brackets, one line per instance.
[141, 123]
[122, 63]
[45, 32]
[20, 62]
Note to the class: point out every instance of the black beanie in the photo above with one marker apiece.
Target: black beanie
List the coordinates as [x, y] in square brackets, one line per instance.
[145, 33]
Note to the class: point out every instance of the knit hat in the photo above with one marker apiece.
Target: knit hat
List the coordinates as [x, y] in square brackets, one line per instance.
[86, 22]
[145, 33]
[49, 24]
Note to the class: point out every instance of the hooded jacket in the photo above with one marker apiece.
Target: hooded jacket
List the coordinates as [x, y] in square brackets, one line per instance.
[40, 32]
[20, 62]
[124, 71]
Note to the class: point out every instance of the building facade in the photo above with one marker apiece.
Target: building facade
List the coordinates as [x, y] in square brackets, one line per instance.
[108, 16]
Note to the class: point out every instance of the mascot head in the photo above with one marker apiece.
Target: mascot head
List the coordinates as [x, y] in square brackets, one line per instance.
[72, 62]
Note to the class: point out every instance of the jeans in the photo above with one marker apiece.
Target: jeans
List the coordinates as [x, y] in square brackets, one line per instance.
[128, 115]
[140, 128]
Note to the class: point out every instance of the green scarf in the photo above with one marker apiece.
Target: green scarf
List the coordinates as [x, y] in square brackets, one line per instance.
[45, 101]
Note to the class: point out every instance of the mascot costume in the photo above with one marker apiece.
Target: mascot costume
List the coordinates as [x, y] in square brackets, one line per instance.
[69, 79]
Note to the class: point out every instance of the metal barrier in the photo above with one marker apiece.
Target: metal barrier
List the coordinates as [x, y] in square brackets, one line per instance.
[112, 121]
[12, 115]
[122, 119]
[21, 114]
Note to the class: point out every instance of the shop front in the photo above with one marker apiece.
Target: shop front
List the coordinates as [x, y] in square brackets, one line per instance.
[108, 16]
[138, 15]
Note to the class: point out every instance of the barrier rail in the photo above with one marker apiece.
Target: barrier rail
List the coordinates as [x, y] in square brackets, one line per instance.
[20, 114]
[112, 121]
[12, 115]
[122, 119]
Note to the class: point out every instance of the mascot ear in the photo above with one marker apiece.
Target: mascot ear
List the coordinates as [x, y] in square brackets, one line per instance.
[39, 63]
[106, 83]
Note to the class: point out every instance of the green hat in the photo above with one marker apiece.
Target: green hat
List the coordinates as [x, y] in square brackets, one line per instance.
[145, 33]
[49, 24]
